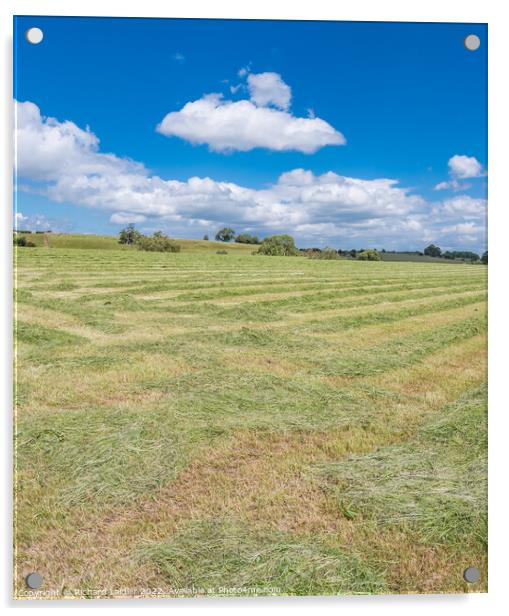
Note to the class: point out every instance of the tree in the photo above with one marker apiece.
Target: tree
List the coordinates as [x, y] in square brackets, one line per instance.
[353, 253]
[327, 253]
[369, 255]
[157, 243]
[129, 235]
[484, 258]
[225, 235]
[206, 237]
[466, 255]
[247, 238]
[21, 240]
[278, 245]
[432, 251]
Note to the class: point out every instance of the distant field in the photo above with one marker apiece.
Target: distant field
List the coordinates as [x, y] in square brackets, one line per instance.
[198, 420]
[402, 256]
[110, 242]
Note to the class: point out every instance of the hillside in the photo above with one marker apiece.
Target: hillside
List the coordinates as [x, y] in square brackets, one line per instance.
[110, 242]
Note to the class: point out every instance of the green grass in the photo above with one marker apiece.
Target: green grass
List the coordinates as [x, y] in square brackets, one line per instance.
[436, 483]
[204, 554]
[273, 418]
[110, 242]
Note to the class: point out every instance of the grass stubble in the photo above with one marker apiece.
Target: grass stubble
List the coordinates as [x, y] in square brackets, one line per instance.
[206, 424]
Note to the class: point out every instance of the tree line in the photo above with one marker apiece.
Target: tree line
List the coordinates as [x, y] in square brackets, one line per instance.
[227, 234]
[465, 255]
[157, 242]
[284, 245]
[273, 245]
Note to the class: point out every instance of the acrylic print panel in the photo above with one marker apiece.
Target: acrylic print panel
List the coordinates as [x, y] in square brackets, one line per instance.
[251, 307]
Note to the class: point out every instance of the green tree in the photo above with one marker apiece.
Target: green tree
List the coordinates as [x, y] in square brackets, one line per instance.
[206, 237]
[157, 243]
[327, 253]
[129, 235]
[226, 234]
[21, 240]
[484, 258]
[466, 255]
[247, 238]
[369, 255]
[278, 245]
[432, 251]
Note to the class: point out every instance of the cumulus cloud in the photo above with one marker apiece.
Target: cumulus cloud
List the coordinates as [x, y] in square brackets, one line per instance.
[461, 167]
[458, 221]
[465, 206]
[465, 228]
[447, 186]
[63, 162]
[49, 150]
[269, 89]
[264, 121]
[465, 166]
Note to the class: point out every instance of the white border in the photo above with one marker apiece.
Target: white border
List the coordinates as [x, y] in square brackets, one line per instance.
[361, 10]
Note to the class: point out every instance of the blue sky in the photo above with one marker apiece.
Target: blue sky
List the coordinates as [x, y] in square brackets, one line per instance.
[338, 133]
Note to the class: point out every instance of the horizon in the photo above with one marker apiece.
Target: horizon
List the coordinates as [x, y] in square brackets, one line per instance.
[214, 240]
[157, 122]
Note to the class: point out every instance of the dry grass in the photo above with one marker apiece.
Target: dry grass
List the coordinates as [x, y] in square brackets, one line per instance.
[163, 398]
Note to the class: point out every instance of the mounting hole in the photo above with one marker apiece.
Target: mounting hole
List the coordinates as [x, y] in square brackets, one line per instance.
[34, 35]
[34, 580]
[471, 575]
[472, 42]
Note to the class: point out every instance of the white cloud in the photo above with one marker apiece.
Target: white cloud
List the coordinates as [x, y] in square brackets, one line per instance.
[36, 222]
[269, 89]
[465, 206]
[466, 228]
[63, 162]
[453, 185]
[227, 126]
[262, 122]
[413, 224]
[179, 57]
[124, 218]
[48, 149]
[462, 167]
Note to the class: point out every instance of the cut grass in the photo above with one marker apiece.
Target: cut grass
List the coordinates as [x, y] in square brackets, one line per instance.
[436, 483]
[167, 402]
[110, 242]
[225, 558]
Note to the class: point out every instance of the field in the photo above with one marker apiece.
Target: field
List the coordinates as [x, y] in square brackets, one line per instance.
[110, 242]
[202, 423]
